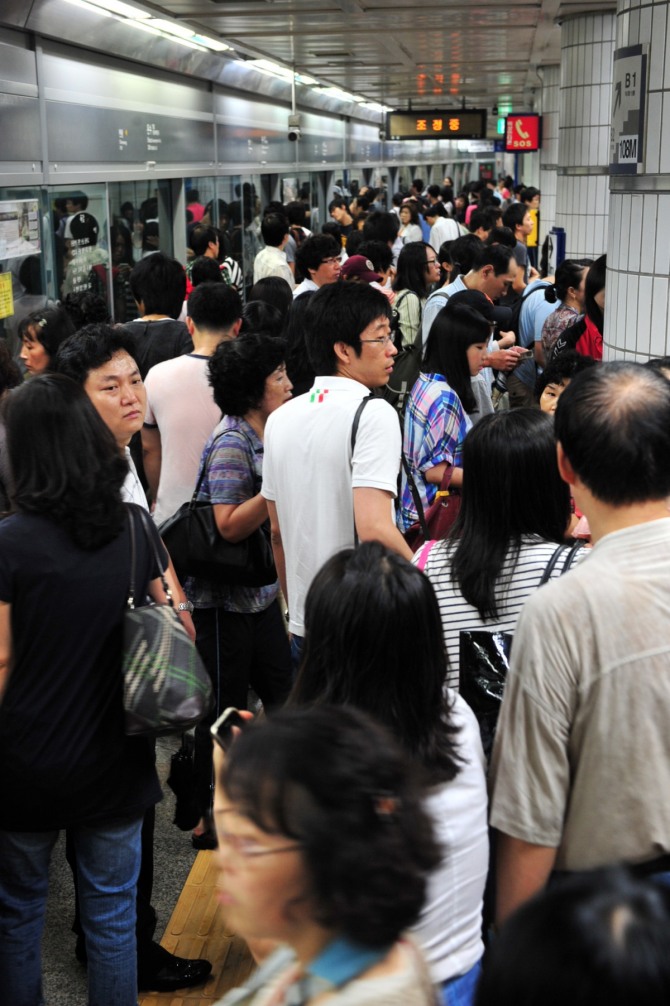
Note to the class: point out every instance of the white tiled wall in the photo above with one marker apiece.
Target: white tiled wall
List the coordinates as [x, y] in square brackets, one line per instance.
[638, 290]
[585, 97]
[549, 152]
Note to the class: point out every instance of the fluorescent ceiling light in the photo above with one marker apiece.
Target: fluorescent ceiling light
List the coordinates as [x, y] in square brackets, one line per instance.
[211, 43]
[90, 7]
[108, 7]
[274, 69]
[124, 9]
[143, 26]
[304, 78]
[374, 106]
[335, 92]
[172, 29]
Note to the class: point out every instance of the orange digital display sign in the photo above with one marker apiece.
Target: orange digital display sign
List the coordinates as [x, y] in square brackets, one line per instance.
[438, 124]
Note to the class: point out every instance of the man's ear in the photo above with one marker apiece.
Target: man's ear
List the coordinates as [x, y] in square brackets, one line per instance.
[565, 469]
[344, 352]
[189, 324]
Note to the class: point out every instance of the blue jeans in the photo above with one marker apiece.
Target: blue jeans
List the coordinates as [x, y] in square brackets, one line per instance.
[296, 652]
[108, 862]
[460, 991]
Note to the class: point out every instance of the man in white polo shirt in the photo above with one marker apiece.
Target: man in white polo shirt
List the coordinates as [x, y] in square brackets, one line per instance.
[322, 492]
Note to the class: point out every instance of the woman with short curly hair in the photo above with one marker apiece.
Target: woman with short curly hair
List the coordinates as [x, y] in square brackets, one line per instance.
[240, 631]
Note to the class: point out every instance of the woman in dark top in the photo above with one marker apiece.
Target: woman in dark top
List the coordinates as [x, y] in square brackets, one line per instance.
[65, 759]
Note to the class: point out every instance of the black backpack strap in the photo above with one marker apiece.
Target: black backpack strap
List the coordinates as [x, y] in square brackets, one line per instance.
[354, 433]
[357, 419]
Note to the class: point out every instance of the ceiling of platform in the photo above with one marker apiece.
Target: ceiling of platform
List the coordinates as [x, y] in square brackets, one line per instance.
[432, 53]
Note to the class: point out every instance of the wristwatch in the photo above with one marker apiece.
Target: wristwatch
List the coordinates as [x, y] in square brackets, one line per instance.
[185, 606]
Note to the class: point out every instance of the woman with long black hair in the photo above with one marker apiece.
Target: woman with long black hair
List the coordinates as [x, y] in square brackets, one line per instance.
[418, 270]
[437, 415]
[515, 510]
[373, 641]
[66, 761]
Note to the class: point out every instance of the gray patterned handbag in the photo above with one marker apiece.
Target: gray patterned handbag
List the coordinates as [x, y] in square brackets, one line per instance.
[166, 688]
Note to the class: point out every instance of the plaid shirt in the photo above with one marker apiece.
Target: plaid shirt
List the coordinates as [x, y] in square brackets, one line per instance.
[435, 428]
[233, 475]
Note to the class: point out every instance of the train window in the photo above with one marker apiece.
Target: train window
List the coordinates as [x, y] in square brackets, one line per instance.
[23, 272]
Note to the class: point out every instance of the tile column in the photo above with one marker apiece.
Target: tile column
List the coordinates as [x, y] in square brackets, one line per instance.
[551, 79]
[637, 324]
[582, 198]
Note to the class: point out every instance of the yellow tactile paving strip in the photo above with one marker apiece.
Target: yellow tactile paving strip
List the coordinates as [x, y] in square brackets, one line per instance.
[197, 929]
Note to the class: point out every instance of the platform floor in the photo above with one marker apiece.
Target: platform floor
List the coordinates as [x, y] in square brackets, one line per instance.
[197, 929]
[189, 919]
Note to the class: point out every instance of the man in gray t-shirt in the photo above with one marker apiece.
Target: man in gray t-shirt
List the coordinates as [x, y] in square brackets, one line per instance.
[581, 763]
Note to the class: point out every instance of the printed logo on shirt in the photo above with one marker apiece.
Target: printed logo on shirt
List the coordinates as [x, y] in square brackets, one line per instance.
[317, 395]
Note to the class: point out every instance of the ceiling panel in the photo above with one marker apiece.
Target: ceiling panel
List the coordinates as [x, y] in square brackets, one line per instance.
[393, 51]
[483, 53]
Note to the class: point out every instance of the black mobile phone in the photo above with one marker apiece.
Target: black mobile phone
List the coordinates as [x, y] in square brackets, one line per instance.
[222, 729]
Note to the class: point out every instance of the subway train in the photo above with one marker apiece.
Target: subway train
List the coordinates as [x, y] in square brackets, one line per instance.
[122, 139]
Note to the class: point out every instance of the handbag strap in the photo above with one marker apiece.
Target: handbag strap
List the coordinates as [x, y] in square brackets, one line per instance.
[144, 517]
[549, 568]
[203, 467]
[569, 559]
[416, 499]
[423, 555]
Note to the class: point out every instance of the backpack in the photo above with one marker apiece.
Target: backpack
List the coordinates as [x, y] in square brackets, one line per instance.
[517, 306]
[406, 367]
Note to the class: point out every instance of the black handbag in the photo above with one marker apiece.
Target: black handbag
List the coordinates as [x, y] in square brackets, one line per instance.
[484, 660]
[166, 687]
[197, 549]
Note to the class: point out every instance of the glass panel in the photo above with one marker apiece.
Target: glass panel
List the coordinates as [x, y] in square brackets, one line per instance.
[141, 223]
[79, 240]
[24, 221]
[245, 211]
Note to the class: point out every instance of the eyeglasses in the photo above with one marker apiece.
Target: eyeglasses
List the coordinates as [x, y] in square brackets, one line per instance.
[382, 341]
[431, 261]
[331, 261]
[247, 848]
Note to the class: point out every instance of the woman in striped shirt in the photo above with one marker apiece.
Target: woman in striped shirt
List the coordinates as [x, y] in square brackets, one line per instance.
[515, 510]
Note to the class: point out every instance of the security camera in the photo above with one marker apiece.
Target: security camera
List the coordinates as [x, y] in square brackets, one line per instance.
[294, 127]
[382, 134]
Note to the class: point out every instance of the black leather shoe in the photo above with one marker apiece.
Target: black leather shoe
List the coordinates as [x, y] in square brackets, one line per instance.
[80, 950]
[160, 971]
[205, 840]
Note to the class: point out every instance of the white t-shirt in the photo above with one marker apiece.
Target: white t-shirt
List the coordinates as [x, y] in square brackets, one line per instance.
[181, 406]
[443, 230]
[307, 286]
[272, 262]
[309, 473]
[131, 490]
[449, 930]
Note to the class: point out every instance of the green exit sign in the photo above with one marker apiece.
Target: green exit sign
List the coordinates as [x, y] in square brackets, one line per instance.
[501, 126]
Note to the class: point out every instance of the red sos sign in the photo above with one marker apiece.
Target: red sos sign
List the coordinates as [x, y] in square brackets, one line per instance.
[522, 133]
